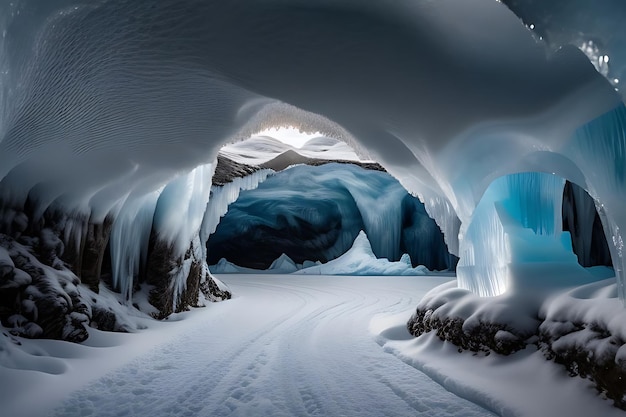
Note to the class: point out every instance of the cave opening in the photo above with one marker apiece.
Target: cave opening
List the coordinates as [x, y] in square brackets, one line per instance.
[535, 231]
[318, 198]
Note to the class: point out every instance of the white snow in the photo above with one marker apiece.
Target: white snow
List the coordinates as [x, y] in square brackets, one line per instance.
[284, 346]
[523, 384]
[360, 260]
[264, 147]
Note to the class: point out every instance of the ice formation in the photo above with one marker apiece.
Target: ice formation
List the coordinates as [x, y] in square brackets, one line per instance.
[105, 105]
[517, 221]
[316, 212]
[360, 260]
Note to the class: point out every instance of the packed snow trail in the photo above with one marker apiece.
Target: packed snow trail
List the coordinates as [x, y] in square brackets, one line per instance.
[284, 346]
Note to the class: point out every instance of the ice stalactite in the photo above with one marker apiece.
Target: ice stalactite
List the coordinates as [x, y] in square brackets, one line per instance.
[518, 220]
[223, 196]
[442, 212]
[129, 241]
[178, 218]
[599, 150]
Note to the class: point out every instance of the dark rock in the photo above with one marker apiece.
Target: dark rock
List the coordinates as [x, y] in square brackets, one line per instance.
[163, 266]
[607, 373]
[54, 309]
[484, 337]
[228, 170]
[212, 291]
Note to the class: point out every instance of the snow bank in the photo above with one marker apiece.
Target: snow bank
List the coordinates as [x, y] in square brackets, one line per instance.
[360, 260]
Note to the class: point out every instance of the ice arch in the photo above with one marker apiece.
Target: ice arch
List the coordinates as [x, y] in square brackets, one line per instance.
[105, 103]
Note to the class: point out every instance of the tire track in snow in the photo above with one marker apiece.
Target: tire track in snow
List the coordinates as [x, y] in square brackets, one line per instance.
[285, 346]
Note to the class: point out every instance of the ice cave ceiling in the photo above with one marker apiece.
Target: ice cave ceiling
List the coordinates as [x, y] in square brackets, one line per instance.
[113, 112]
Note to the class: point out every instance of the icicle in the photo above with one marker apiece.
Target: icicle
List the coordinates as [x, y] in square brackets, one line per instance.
[222, 196]
[129, 241]
[178, 217]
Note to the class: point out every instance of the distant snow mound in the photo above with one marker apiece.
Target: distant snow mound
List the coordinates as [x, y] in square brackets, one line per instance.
[321, 141]
[286, 159]
[283, 264]
[360, 260]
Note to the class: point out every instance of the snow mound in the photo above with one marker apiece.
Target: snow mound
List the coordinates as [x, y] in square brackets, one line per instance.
[360, 260]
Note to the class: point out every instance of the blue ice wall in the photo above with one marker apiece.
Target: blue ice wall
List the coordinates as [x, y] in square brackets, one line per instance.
[517, 214]
[599, 150]
[315, 213]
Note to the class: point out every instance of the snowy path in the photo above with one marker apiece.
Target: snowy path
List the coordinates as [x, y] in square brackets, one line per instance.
[285, 346]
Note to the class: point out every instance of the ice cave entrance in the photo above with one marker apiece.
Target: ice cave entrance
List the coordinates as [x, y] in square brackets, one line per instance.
[317, 208]
[534, 231]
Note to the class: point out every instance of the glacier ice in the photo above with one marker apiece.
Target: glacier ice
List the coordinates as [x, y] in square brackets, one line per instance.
[104, 104]
[518, 220]
[316, 212]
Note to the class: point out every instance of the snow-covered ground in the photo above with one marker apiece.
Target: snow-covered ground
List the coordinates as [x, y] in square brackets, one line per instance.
[284, 346]
[289, 346]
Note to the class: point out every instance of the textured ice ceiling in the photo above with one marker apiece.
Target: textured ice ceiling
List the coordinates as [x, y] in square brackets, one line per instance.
[106, 101]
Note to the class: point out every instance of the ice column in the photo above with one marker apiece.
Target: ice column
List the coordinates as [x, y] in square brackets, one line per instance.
[517, 215]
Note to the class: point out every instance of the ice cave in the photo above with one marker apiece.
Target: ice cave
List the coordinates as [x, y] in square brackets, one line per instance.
[462, 186]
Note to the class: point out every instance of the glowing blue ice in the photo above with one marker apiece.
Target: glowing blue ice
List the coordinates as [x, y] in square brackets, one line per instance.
[516, 212]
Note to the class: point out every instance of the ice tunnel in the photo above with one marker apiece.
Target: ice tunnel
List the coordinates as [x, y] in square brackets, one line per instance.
[112, 114]
[314, 213]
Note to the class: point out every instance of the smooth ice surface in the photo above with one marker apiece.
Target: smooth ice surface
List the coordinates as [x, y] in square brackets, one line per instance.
[594, 27]
[287, 346]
